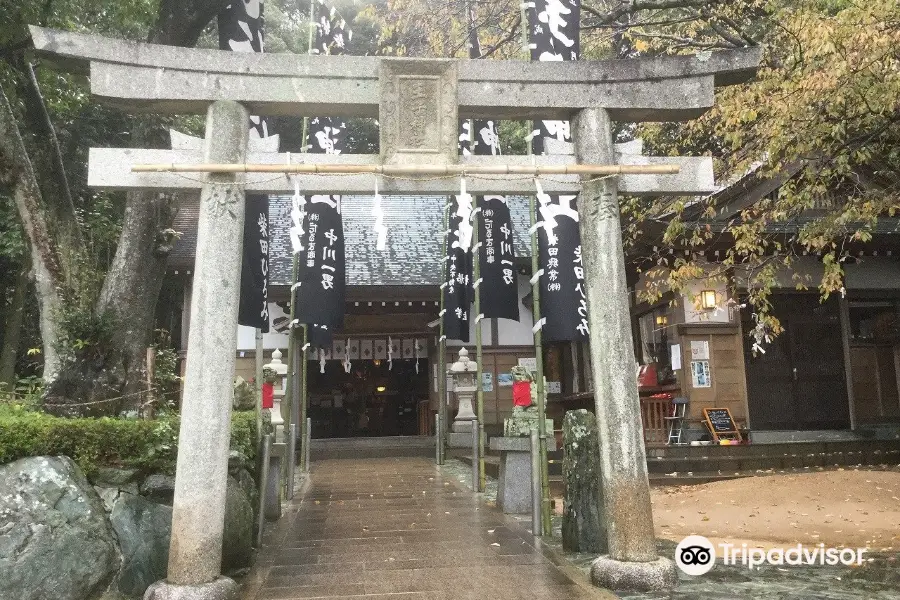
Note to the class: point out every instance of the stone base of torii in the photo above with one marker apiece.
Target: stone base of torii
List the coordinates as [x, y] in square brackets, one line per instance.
[418, 104]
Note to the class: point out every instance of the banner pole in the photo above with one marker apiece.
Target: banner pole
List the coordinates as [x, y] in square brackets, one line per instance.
[304, 400]
[479, 373]
[287, 400]
[546, 527]
[304, 426]
[260, 360]
[442, 345]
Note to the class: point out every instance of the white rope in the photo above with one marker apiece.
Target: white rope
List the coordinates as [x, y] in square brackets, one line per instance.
[378, 214]
[536, 277]
[390, 349]
[539, 325]
[298, 214]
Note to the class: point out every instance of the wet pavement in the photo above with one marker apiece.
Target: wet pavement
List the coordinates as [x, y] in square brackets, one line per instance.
[876, 579]
[399, 528]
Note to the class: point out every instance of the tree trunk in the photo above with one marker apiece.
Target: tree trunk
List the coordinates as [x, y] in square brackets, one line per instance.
[132, 286]
[108, 379]
[16, 171]
[12, 331]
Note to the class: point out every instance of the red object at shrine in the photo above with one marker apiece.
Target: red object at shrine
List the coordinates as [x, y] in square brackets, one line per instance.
[522, 393]
[268, 395]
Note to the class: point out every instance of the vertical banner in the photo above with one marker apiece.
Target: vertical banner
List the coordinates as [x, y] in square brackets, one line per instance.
[458, 292]
[553, 27]
[320, 290]
[499, 286]
[327, 135]
[254, 305]
[321, 281]
[563, 302]
[241, 30]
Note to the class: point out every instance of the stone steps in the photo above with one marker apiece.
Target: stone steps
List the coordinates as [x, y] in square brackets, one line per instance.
[683, 465]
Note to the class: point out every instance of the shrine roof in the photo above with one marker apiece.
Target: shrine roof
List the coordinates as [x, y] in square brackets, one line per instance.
[413, 254]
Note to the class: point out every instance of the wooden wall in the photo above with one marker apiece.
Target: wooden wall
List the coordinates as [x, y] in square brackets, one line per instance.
[726, 367]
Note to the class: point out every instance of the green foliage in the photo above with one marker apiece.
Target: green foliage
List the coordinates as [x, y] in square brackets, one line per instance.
[86, 335]
[26, 391]
[148, 445]
[166, 380]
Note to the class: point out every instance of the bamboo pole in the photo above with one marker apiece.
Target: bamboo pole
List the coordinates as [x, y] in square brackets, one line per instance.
[442, 345]
[304, 390]
[479, 372]
[304, 399]
[288, 399]
[260, 360]
[536, 311]
[539, 360]
[408, 170]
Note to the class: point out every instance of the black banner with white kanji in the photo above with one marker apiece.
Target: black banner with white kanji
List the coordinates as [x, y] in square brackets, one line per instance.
[241, 30]
[499, 287]
[553, 28]
[327, 135]
[553, 33]
[563, 302]
[321, 282]
[254, 306]
[320, 290]
[458, 292]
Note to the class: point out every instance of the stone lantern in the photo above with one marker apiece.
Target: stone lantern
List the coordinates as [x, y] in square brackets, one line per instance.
[465, 387]
[278, 393]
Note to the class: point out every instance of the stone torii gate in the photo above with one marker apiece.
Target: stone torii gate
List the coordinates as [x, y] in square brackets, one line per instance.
[418, 104]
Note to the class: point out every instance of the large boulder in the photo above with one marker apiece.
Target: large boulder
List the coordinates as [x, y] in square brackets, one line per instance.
[143, 529]
[55, 539]
[159, 487]
[237, 540]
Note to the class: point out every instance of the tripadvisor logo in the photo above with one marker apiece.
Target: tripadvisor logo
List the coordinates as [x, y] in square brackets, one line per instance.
[696, 555]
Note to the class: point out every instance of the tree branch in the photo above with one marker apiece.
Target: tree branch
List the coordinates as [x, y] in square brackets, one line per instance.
[633, 6]
[180, 22]
[59, 167]
[513, 32]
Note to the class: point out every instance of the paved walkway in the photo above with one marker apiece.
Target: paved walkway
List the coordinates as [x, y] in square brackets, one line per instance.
[394, 529]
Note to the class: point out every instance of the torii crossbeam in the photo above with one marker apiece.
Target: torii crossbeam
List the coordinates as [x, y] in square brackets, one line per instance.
[418, 104]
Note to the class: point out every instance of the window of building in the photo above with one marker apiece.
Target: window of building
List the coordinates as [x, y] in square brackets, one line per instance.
[873, 322]
[657, 333]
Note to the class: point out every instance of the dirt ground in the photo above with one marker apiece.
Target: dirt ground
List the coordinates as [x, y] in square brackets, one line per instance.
[852, 508]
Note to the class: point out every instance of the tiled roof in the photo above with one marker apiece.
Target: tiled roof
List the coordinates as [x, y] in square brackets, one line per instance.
[182, 255]
[412, 256]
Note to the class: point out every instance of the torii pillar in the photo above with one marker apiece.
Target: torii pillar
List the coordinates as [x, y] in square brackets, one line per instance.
[632, 562]
[198, 508]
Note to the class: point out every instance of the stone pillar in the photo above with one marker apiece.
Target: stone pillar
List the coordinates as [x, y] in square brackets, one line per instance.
[583, 524]
[198, 509]
[632, 562]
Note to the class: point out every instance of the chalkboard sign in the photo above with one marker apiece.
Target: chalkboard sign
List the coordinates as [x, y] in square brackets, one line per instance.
[721, 424]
